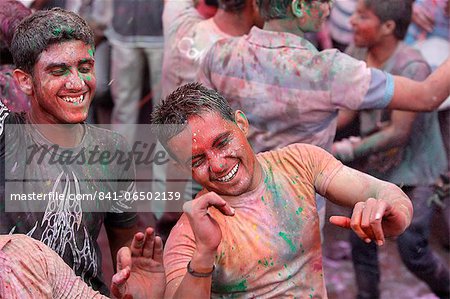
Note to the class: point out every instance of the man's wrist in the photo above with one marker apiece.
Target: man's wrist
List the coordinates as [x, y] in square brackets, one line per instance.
[203, 262]
[200, 274]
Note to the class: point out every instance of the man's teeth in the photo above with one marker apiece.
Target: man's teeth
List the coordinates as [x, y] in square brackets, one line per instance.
[230, 175]
[76, 100]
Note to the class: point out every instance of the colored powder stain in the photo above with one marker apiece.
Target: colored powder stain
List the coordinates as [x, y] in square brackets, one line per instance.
[288, 241]
[274, 189]
[285, 265]
[254, 226]
[89, 78]
[91, 52]
[57, 31]
[294, 182]
[238, 287]
[299, 210]
[265, 263]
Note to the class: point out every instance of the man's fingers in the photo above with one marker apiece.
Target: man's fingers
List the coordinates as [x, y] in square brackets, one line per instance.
[118, 287]
[137, 244]
[376, 224]
[123, 258]
[355, 222]
[340, 221]
[147, 250]
[201, 205]
[158, 250]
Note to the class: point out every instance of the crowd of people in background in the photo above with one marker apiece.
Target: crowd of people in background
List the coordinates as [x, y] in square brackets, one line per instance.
[287, 105]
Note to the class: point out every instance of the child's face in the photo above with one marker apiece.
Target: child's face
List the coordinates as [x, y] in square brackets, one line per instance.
[366, 26]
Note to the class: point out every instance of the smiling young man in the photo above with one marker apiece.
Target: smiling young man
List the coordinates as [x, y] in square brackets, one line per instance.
[253, 231]
[54, 54]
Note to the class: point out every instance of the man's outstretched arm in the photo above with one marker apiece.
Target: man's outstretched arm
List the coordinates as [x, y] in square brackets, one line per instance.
[380, 209]
[425, 95]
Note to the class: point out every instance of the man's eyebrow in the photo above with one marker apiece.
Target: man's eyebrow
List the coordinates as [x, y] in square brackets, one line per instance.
[219, 138]
[86, 60]
[56, 65]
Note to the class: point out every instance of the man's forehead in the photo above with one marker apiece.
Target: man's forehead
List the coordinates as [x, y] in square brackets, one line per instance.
[69, 52]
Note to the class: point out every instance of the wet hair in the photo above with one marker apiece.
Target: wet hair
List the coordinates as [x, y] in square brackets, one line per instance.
[11, 13]
[232, 5]
[188, 100]
[275, 9]
[43, 29]
[399, 11]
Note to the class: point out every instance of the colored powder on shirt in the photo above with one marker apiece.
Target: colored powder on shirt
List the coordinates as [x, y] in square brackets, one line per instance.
[288, 241]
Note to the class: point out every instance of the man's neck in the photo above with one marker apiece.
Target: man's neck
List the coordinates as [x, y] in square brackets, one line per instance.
[65, 135]
[378, 55]
[234, 24]
[284, 25]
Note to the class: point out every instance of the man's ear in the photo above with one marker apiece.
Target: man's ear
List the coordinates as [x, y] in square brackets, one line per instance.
[388, 27]
[24, 81]
[241, 121]
[297, 8]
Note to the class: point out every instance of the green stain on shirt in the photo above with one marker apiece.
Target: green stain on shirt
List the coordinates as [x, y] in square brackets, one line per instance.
[237, 287]
[288, 241]
[299, 210]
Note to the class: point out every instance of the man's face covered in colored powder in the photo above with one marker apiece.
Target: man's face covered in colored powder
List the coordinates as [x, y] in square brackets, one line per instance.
[222, 160]
[63, 83]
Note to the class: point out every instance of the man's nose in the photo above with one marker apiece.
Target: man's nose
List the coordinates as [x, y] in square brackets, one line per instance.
[217, 164]
[74, 81]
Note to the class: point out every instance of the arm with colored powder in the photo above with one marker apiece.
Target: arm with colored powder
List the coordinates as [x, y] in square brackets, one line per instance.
[427, 95]
[208, 236]
[395, 135]
[380, 209]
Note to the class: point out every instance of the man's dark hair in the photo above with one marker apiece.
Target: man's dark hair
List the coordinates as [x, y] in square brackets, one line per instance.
[399, 11]
[43, 29]
[170, 117]
[232, 5]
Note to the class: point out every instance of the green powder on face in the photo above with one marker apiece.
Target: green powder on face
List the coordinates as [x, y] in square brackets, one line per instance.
[91, 52]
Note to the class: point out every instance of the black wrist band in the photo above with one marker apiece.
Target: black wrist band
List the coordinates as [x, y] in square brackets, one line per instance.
[198, 274]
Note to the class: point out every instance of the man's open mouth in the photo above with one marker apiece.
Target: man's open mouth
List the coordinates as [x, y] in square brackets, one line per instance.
[229, 175]
[75, 100]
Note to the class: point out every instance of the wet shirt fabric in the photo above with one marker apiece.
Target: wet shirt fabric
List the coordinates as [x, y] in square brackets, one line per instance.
[188, 36]
[271, 247]
[423, 158]
[29, 269]
[289, 90]
[69, 227]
